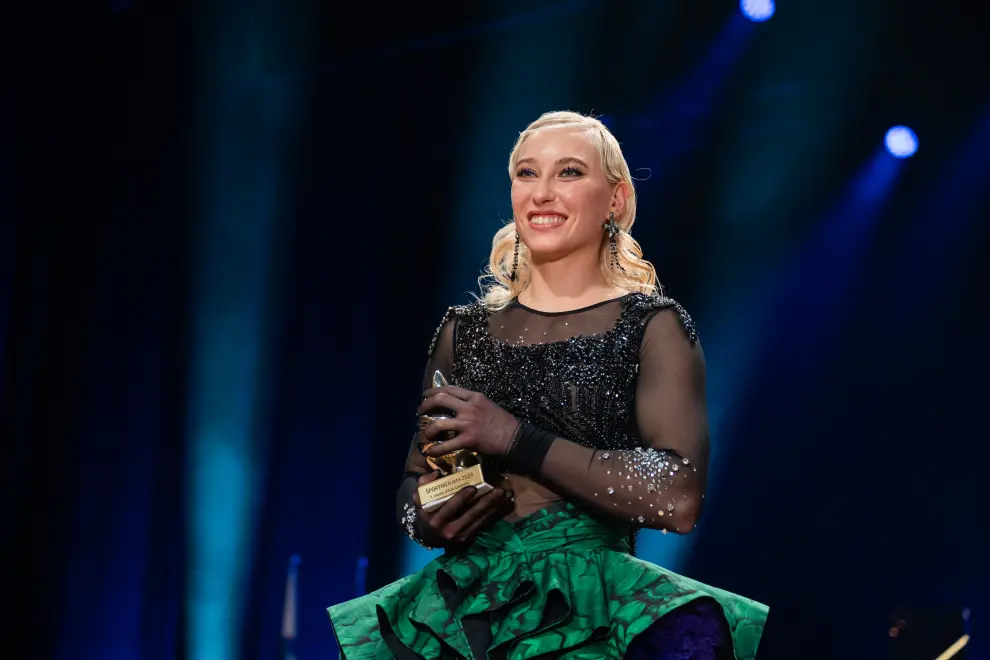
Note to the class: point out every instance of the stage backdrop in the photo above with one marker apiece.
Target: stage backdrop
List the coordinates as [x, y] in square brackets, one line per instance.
[229, 231]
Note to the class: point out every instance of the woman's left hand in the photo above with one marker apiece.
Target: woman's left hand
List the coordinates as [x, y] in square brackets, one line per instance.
[480, 425]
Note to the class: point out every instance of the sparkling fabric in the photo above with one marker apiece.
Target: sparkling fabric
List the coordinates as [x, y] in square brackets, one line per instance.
[621, 386]
[620, 383]
[572, 373]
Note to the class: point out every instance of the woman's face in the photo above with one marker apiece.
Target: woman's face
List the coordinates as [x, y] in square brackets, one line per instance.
[560, 197]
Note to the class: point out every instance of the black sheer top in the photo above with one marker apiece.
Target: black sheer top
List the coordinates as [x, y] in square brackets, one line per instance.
[622, 385]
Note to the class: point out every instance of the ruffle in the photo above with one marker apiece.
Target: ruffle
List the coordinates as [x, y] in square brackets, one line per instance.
[558, 580]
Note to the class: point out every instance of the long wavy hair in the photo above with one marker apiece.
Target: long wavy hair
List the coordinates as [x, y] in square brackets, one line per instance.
[635, 275]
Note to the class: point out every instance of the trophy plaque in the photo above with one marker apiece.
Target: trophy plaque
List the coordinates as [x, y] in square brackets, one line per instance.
[458, 469]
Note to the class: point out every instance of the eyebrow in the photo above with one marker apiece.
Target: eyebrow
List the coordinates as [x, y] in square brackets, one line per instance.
[560, 161]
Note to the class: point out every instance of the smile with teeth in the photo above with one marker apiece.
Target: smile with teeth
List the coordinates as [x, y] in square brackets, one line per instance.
[547, 220]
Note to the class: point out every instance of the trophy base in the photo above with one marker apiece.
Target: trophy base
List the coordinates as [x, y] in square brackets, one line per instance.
[435, 493]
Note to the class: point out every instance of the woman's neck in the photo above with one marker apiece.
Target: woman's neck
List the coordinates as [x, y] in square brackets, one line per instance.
[563, 285]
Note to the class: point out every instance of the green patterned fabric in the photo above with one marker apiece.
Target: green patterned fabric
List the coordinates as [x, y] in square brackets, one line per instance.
[559, 582]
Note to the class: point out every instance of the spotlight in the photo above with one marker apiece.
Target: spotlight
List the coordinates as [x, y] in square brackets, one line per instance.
[757, 10]
[901, 142]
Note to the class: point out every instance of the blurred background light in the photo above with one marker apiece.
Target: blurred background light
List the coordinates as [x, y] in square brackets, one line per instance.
[757, 10]
[901, 142]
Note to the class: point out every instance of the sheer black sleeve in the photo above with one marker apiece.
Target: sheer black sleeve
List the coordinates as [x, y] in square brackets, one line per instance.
[661, 484]
[441, 356]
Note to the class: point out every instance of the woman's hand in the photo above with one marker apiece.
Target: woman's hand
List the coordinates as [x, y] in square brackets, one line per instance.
[460, 518]
[480, 425]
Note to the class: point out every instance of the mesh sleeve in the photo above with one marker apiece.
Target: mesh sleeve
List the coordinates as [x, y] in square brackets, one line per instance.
[660, 484]
[441, 356]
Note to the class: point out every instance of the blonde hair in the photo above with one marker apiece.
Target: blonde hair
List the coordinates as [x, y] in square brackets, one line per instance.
[633, 273]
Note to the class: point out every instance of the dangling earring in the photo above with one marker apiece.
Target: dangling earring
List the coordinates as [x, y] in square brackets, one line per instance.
[613, 231]
[515, 260]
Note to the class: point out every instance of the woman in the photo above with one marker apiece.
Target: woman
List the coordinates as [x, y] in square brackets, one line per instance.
[585, 388]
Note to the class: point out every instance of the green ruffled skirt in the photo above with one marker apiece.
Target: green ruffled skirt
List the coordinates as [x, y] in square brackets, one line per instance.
[558, 582]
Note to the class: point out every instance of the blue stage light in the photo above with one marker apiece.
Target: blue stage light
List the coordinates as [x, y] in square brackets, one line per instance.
[901, 142]
[757, 10]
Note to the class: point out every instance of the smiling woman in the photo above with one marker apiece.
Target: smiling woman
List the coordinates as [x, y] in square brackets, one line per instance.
[583, 390]
[569, 181]
[558, 199]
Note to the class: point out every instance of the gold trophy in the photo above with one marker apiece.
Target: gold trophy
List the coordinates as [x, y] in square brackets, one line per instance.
[458, 469]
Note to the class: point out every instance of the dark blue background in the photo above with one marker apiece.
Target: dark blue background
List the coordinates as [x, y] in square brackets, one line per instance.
[850, 453]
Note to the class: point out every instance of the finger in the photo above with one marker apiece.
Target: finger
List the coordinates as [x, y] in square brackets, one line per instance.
[478, 508]
[502, 499]
[472, 528]
[428, 477]
[457, 392]
[450, 509]
[439, 428]
[441, 401]
[483, 513]
[447, 446]
[424, 479]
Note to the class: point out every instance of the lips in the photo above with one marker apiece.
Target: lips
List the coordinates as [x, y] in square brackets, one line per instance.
[546, 220]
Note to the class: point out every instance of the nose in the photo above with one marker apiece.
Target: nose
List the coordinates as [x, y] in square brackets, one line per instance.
[544, 191]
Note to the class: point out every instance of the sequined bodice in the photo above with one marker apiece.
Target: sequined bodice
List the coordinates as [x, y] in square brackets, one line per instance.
[621, 385]
[573, 374]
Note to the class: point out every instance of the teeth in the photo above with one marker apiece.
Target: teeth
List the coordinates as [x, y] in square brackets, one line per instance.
[546, 219]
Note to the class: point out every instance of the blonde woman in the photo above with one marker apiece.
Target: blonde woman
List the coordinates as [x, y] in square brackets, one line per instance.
[579, 382]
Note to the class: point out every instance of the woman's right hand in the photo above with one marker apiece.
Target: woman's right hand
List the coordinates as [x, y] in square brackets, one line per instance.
[456, 521]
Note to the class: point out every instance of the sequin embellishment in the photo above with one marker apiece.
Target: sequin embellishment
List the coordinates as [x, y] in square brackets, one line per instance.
[581, 388]
[408, 521]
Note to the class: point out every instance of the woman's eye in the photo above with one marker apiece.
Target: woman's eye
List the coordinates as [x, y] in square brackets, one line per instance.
[525, 172]
[571, 171]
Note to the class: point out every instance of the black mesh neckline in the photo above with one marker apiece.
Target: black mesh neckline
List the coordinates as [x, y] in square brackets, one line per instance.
[538, 331]
[516, 303]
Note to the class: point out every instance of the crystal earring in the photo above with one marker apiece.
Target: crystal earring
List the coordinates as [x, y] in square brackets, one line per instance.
[515, 260]
[613, 231]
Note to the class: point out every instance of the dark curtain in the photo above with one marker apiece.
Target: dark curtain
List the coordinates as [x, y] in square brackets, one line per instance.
[94, 296]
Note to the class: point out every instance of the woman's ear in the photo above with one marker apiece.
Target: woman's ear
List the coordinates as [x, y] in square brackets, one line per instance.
[619, 196]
